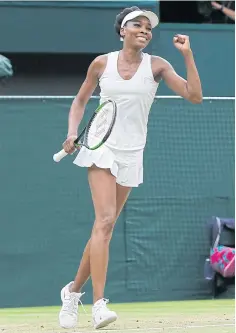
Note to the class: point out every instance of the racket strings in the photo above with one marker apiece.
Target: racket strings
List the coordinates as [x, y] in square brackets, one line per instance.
[100, 126]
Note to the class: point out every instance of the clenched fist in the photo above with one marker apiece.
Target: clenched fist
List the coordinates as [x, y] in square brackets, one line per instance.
[181, 42]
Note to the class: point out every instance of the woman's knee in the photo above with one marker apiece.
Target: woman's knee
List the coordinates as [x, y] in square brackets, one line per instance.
[104, 224]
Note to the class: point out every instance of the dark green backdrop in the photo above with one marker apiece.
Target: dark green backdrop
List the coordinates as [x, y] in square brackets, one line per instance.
[159, 245]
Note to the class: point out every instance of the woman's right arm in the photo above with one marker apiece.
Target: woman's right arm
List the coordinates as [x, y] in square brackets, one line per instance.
[78, 105]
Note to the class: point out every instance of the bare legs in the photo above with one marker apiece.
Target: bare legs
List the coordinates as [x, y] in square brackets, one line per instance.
[108, 199]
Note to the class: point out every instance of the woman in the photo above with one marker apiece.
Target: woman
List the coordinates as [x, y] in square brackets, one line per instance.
[130, 77]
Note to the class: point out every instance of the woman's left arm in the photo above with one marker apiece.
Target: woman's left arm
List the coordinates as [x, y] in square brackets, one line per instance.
[191, 89]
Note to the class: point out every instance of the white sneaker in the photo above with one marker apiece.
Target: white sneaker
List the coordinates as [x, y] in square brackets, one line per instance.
[102, 316]
[68, 315]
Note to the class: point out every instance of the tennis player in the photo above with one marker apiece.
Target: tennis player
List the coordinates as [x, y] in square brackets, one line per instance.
[130, 77]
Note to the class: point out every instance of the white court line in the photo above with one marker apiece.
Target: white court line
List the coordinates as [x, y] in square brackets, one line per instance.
[158, 329]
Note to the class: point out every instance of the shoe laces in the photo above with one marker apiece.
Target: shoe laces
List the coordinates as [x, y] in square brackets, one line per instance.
[71, 302]
[82, 304]
[102, 304]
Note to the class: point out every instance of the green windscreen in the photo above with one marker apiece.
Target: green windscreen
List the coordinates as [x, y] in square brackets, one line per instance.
[160, 241]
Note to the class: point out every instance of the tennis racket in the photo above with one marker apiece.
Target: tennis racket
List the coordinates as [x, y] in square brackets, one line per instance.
[97, 130]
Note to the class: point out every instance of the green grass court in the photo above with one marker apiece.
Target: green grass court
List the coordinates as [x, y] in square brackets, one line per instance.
[215, 316]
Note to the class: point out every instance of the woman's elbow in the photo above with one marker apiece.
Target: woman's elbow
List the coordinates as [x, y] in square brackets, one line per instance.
[79, 101]
[196, 98]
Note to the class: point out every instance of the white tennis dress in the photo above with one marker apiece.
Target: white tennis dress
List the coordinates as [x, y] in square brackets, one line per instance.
[123, 151]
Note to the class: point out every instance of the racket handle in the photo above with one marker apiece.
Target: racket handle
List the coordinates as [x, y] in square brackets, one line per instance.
[60, 155]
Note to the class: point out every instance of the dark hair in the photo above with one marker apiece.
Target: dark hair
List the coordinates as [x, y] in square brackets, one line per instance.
[121, 16]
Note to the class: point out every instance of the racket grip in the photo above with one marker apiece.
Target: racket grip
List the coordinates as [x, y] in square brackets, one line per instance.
[60, 155]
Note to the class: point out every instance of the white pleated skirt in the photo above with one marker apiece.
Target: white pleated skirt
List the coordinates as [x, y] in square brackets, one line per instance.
[126, 166]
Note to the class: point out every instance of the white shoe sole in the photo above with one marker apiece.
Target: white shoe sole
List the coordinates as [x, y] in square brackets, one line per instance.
[105, 322]
[68, 326]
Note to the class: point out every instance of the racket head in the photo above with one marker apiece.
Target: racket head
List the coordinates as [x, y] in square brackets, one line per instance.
[100, 125]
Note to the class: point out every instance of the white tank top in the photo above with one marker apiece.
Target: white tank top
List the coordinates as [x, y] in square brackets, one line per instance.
[134, 98]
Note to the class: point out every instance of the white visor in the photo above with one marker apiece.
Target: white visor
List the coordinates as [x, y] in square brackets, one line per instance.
[148, 14]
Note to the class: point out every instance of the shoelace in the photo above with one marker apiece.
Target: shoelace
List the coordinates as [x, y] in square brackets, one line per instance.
[82, 304]
[101, 305]
[72, 302]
